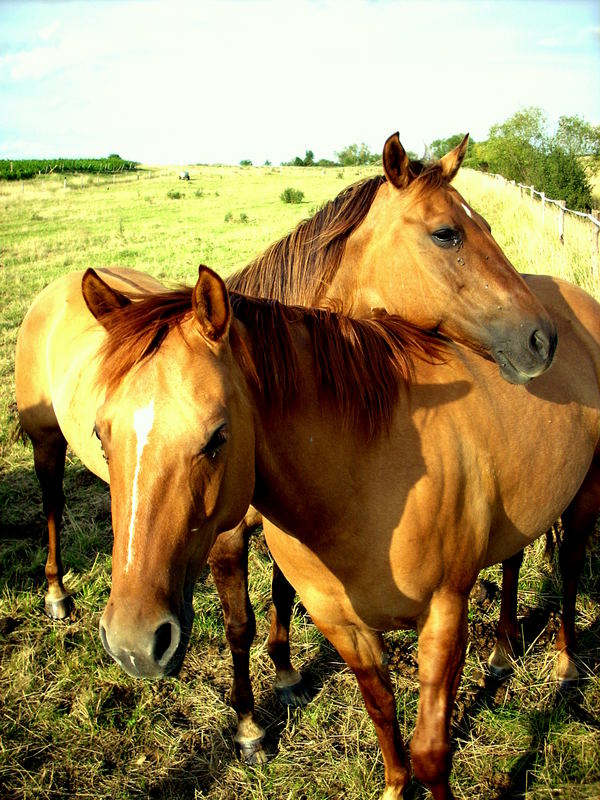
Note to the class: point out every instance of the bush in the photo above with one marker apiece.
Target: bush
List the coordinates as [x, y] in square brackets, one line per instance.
[290, 195]
[174, 195]
[521, 150]
[243, 218]
[562, 177]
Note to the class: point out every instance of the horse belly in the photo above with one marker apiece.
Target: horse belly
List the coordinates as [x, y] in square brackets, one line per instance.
[541, 475]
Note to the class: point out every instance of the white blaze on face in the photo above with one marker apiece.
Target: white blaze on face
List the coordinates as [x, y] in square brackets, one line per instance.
[467, 210]
[143, 420]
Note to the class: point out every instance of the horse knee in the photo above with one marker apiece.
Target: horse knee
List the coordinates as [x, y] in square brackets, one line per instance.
[431, 762]
[241, 632]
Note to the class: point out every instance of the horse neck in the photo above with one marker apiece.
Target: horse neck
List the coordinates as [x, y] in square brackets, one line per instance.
[303, 267]
[354, 285]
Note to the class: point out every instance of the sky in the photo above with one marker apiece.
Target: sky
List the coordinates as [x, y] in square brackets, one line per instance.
[216, 82]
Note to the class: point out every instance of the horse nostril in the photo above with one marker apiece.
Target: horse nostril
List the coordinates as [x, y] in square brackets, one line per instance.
[540, 344]
[163, 640]
[103, 638]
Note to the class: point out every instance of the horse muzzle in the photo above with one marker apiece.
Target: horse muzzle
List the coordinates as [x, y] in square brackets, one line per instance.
[527, 354]
[149, 646]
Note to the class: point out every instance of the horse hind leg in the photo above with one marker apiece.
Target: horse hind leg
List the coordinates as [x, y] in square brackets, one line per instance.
[578, 523]
[49, 451]
[507, 632]
[290, 686]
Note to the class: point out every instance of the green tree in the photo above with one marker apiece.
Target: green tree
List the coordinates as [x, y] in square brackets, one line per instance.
[578, 137]
[514, 146]
[357, 155]
[521, 149]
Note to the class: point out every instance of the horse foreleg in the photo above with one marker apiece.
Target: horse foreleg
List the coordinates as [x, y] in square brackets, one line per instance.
[49, 459]
[442, 647]
[363, 650]
[290, 687]
[578, 523]
[228, 562]
[507, 632]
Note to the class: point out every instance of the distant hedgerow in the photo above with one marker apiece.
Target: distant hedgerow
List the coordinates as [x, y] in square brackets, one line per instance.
[290, 195]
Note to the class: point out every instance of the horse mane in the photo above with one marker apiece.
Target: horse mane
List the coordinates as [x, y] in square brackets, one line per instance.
[360, 363]
[298, 268]
[136, 331]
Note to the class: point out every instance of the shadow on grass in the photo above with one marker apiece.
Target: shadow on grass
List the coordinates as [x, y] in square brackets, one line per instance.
[565, 705]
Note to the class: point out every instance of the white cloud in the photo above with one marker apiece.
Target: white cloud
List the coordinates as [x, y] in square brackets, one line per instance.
[48, 31]
[259, 79]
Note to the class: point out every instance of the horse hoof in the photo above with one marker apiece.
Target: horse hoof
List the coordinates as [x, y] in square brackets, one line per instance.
[252, 752]
[297, 695]
[565, 672]
[58, 609]
[498, 664]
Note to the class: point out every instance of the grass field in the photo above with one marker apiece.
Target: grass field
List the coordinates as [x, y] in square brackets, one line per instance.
[72, 724]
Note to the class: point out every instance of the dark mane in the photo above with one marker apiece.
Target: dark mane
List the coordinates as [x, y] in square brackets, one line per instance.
[299, 267]
[136, 331]
[359, 363]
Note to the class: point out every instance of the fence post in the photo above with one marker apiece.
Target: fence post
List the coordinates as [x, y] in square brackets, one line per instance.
[531, 190]
[562, 204]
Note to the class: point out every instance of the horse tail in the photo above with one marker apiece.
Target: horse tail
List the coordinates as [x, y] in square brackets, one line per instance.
[18, 432]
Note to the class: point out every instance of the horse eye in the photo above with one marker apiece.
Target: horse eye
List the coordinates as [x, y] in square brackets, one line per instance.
[216, 442]
[446, 237]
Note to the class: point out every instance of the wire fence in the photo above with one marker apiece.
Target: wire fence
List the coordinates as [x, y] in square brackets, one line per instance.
[593, 218]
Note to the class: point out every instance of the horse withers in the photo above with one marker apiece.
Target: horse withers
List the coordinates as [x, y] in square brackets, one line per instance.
[420, 481]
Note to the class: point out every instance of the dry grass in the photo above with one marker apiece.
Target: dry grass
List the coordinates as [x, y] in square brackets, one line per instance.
[73, 725]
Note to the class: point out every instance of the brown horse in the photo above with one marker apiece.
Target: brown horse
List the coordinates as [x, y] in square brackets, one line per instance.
[422, 449]
[343, 253]
[406, 242]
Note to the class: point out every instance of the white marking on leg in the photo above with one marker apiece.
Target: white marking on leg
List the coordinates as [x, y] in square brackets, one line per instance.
[143, 420]
[467, 210]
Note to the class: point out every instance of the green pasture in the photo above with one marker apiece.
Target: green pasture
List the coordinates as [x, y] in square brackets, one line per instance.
[72, 724]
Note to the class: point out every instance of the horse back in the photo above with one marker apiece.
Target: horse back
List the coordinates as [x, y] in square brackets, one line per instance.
[56, 379]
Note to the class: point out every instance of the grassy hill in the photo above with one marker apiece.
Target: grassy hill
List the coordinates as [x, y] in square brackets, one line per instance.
[72, 723]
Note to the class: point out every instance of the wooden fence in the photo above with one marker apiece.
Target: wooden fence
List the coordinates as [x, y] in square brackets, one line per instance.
[593, 218]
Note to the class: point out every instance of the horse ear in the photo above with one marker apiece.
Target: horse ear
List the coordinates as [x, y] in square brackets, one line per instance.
[450, 163]
[210, 301]
[100, 298]
[396, 162]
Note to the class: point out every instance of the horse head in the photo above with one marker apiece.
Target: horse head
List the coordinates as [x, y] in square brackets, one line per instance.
[424, 253]
[179, 410]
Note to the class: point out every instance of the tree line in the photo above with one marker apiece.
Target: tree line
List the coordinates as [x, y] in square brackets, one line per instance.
[522, 148]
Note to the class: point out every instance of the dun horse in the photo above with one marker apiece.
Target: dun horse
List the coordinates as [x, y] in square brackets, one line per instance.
[423, 452]
[406, 242]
